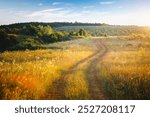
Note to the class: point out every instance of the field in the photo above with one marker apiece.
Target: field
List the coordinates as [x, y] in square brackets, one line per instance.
[95, 68]
[29, 74]
[125, 70]
[110, 30]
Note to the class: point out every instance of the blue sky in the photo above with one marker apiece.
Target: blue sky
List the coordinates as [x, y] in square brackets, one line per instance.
[118, 12]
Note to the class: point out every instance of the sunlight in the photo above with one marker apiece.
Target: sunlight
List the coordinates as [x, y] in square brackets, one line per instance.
[143, 17]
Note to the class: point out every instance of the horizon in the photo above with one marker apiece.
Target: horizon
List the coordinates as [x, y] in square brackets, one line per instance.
[74, 23]
[112, 12]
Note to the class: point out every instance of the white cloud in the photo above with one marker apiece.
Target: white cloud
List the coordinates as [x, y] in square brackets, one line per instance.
[65, 15]
[43, 12]
[11, 16]
[52, 15]
[136, 17]
[56, 3]
[107, 3]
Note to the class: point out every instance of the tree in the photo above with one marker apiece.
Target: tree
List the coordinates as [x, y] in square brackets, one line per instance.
[7, 41]
[82, 32]
[44, 30]
[3, 34]
[37, 30]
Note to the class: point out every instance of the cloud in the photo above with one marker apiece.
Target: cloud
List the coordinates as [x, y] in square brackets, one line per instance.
[40, 4]
[12, 16]
[51, 15]
[43, 12]
[107, 3]
[56, 3]
[70, 15]
[65, 15]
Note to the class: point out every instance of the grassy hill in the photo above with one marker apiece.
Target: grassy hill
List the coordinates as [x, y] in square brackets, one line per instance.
[96, 29]
[108, 30]
[34, 35]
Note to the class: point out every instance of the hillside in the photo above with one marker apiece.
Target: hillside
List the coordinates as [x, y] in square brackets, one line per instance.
[109, 30]
[36, 35]
[95, 29]
[33, 36]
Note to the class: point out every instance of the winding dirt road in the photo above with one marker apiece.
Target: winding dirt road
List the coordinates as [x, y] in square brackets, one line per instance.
[95, 89]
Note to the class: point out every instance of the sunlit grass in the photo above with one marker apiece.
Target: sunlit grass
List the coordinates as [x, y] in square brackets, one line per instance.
[28, 74]
[77, 84]
[126, 74]
[124, 71]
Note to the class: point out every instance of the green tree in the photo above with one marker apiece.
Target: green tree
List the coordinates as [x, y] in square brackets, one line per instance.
[44, 30]
[7, 41]
[82, 32]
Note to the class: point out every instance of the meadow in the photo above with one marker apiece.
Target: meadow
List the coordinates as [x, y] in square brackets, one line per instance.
[29, 74]
[125, 70]
[64, 70]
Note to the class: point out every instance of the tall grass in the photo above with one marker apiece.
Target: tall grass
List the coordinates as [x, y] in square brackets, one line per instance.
[77, 84]
[28, 74]
[126, 74]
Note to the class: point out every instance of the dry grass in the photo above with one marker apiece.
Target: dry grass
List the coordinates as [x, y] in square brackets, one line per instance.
[77, 84]
[125, 73]
[77, 87]
[28, 74]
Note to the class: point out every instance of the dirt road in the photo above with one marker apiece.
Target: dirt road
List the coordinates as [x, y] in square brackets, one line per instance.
[95, 85]
[95, 89]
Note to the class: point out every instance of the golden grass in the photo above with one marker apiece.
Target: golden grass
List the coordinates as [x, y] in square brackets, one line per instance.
[77, 87]
[28, 74]
[124, 71]
[126, 74]
[140, 36]
[77, 84]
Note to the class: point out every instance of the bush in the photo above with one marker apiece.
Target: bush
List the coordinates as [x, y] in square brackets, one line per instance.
[30, 44]
[80, 33]
[54, 37]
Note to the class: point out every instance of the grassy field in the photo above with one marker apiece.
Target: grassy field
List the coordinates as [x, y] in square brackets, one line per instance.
[64, 70]
[28, 74]
[125, 70]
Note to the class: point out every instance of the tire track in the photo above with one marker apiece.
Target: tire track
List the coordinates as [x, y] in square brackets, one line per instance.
[95, 85]
[56, 92]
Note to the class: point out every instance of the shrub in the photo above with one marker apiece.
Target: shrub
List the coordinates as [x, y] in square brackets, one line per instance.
[29, 43]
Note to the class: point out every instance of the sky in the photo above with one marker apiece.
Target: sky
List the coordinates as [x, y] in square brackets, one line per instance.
[116, 12]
